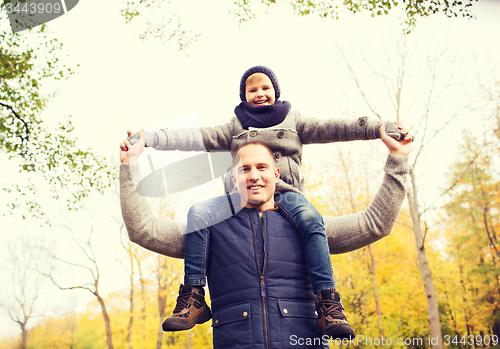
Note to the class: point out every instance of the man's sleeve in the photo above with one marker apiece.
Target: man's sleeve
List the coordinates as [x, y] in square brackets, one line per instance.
[163, 236]
[194, 139]
[313, 131]
[357, 230]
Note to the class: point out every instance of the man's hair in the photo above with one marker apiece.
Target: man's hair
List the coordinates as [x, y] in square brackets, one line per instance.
[236, 157]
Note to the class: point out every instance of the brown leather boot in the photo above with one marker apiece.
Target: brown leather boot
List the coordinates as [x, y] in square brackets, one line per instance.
[331, 319]
[190, 310]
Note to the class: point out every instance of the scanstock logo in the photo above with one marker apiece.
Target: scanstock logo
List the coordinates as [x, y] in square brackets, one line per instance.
[27, 14]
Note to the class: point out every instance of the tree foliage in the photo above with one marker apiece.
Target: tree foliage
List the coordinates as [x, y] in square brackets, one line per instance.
[473, 210]
[170, 28]
[45, 146]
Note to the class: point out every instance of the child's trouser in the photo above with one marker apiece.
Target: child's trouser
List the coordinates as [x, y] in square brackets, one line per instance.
[294, 207]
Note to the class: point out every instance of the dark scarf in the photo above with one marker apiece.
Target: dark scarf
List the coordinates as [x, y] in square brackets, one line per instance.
[262, 116]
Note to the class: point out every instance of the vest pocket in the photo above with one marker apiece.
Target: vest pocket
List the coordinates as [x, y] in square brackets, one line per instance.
[303, 309]
[297, 322]
[232, 326]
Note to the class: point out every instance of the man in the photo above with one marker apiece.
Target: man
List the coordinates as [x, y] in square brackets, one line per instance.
[259, 285]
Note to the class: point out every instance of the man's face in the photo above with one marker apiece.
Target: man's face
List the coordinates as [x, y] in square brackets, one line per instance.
[255, 176]
[259, 90]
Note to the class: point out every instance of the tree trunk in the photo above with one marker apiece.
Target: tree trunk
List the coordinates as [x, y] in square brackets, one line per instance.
[143, 308]
[455, 326]
[162, 295]
[372, 259]
[109, 339]
[432, 304]
[496, 327]
[131, 316]
[24, 335]
[375, 293]
[464, 299]
[159, 341]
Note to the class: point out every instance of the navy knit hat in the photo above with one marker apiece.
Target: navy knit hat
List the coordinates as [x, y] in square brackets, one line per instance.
[263, 70]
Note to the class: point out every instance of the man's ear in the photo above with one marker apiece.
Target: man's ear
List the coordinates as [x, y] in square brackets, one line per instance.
[277, 173]
[233, 178]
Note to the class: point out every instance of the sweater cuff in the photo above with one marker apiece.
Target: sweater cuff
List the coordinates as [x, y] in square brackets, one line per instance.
[373, 129]
[131, 171]
[156, 139]
[149, 138]
[397, 164]
[125, 174]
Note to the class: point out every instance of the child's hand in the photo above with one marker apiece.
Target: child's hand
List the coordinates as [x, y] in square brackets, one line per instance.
[401, 147]
[130, 153]
[394, 130]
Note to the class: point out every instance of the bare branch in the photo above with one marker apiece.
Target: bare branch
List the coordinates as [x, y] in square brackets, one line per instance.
[425, 235]
[73, 264]
[454, 183]
[356, 80]
[25, 138]
[82, 287]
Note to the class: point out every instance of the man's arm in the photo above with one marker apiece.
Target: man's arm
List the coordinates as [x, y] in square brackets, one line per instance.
[354, 231]
[351, 232]
[163, 236]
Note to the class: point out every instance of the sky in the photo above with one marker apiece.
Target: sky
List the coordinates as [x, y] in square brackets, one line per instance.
[124, 83]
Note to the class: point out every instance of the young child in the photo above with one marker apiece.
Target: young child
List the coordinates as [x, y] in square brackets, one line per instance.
[262, 117]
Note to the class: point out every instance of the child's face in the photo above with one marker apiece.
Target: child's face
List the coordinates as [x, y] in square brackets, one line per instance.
[259, 90]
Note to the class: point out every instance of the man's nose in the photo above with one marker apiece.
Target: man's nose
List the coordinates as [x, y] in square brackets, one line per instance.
[253, 175]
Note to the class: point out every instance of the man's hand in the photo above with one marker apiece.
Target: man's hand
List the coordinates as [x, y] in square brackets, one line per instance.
[401, 147]
[130, 153]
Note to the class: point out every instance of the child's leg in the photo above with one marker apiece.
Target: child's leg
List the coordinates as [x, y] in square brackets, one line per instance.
[306, 218]
[302, 214]
[200, 217]
[191, 308]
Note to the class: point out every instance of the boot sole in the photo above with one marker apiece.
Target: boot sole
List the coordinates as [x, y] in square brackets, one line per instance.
[179, 326]
[340, 332]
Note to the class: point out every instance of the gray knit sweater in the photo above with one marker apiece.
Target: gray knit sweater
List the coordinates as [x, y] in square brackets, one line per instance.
[285, 140]
[346, 233]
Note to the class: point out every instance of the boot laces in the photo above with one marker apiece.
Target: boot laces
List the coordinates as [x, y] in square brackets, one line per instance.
[334, 308]
[182, 300]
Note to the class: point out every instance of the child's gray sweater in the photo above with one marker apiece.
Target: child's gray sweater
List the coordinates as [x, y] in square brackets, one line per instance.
[346, 233]
[285, 140]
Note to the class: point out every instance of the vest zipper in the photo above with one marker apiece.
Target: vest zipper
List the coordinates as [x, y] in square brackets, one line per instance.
[262, 285]
[263, 293]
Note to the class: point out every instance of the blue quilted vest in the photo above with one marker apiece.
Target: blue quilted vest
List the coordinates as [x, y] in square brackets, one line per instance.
[259, 285]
